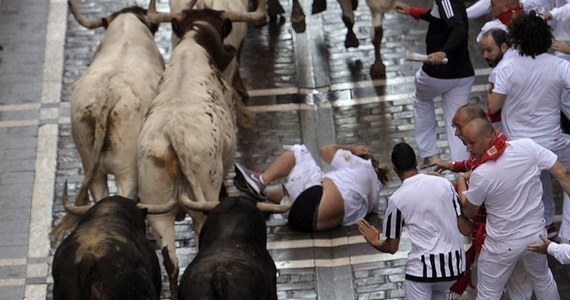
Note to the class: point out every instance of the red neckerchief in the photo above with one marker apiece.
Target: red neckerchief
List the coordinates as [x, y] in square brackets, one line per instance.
[496, 150]
[506, 17]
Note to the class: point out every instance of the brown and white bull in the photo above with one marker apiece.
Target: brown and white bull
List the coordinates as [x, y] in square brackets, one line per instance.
[107, 256]
[234, 38]
[232, 261]
[109, 103]
[188, 140]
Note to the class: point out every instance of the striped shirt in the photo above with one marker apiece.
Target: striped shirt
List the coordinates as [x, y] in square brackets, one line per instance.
[427, 207]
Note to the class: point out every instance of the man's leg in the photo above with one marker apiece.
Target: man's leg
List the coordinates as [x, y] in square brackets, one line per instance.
[427, 88]
[493, 272]
[417, 290]
[457, 96]
[536, 266]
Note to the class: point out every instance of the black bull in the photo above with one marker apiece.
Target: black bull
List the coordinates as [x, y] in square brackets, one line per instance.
[232, 261]
[107, 256]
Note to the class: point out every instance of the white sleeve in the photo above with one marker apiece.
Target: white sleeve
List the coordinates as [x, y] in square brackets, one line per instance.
[562, 12]
[478, 9]
[560, 251]
[393, 221]
[478, 189]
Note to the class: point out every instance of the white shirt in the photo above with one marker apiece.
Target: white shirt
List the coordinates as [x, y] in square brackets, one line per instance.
[533, 89]
[506, 56]
[358, 184]
[511, 189]
[561, 24]
[560, 251]
[427, 207]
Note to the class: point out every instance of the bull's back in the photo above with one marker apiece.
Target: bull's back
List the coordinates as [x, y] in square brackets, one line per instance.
[233, 274]
[106, 259]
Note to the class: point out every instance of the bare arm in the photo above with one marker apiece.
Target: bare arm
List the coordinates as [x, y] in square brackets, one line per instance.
[495, 102]
[469, 209]
[464, 225]
[327, 152]
[561, 174]
[372, 237]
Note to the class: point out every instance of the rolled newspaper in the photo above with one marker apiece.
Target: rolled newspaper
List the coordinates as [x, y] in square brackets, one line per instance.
[413, 56]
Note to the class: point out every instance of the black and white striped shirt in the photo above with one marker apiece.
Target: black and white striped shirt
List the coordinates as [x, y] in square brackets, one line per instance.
[427, 207]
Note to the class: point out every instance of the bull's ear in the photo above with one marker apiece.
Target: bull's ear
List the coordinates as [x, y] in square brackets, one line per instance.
[227, 55]
[226, 28]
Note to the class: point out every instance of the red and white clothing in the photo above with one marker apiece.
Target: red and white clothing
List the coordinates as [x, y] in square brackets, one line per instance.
[511, 189]
[532, 110]
[427, 207]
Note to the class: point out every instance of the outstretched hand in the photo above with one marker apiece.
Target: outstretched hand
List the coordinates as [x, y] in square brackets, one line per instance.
[540, 248]
[370, 233]
[402, 8]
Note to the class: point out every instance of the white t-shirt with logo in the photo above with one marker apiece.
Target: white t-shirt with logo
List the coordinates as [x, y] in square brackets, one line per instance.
[511, 189]
[358, 184]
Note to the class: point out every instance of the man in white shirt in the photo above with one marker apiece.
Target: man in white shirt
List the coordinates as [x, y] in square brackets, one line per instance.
[528, 91]
[510, 187]
[427, 207]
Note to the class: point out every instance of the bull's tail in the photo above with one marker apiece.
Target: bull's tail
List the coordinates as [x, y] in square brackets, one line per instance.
[177, 141]
[110, 98]
[245, 116]
[220, 285]
[69, 221]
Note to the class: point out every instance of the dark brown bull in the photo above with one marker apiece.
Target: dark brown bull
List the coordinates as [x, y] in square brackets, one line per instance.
[107, 256]
[232, 261]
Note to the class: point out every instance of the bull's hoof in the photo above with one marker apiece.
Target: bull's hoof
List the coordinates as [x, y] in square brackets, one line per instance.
[260, 23]
[378, 70]
[298, 24]
[354, 4]
[351, 41]
[275, 10]
[318, 6]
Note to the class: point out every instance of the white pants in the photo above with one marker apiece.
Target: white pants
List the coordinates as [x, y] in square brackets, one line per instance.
[454, 94]
[427, 290]
[513, 258]
[564, 158]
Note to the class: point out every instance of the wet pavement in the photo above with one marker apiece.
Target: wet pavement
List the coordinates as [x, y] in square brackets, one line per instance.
[305, 88]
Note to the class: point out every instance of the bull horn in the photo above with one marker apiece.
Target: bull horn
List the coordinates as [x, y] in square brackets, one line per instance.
[191, 4]
[157, 209]
[250, 17]
[155, 17]
[202, 206]
[277, 208]
[81, 19]
[273, 208]
[70, 208]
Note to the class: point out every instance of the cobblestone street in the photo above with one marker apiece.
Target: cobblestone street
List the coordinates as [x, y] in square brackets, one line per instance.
[304, 88]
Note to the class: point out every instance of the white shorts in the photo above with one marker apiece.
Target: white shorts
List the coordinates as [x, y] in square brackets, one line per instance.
[427, 290]
[305, 174]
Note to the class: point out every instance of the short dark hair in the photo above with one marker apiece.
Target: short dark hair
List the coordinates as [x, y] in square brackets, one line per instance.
[499, 35]
[403, 157]
[530, 34]
[473, 111]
